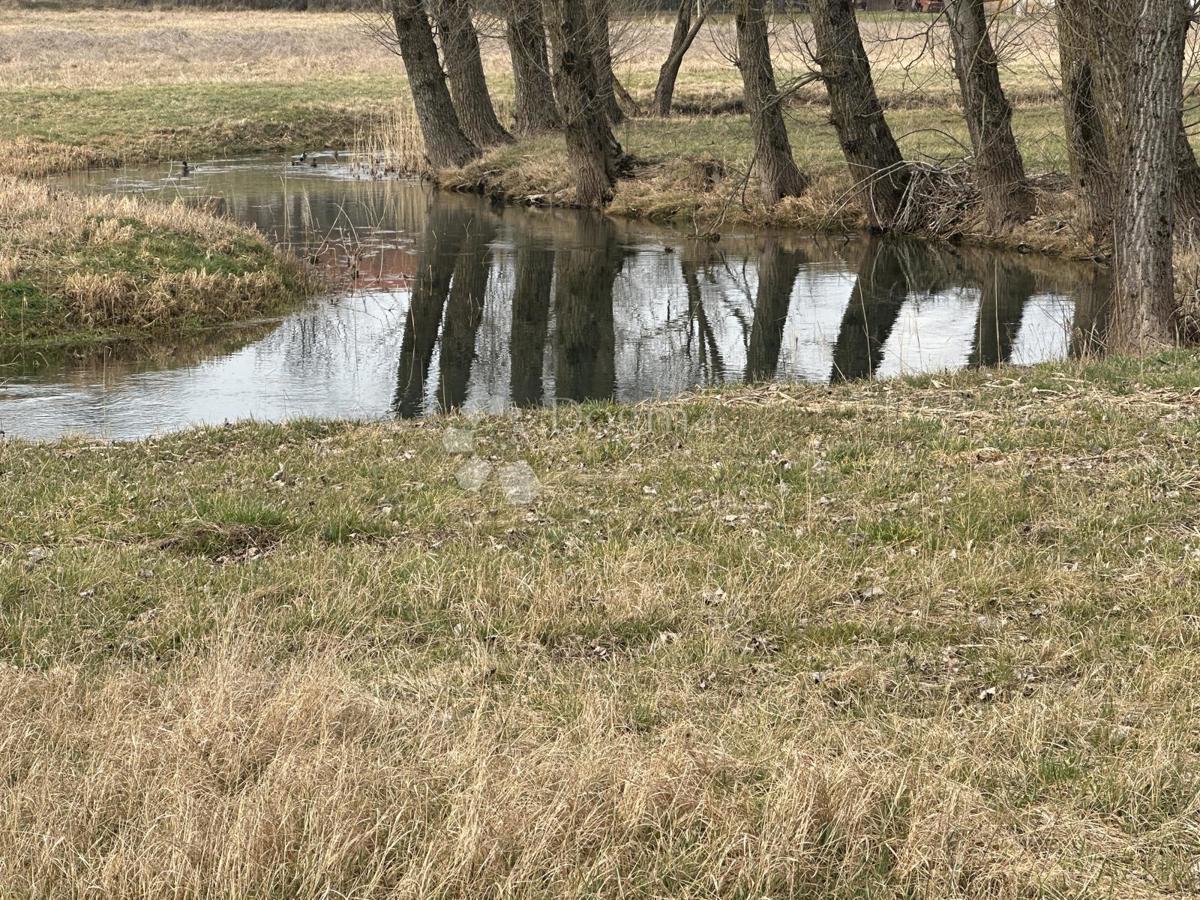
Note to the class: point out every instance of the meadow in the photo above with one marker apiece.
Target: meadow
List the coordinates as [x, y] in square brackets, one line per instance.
[932, 637]
[106, 85]
[137, 86]
[928, 638]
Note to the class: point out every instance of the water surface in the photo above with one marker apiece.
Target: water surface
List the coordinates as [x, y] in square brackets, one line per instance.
[447, 302]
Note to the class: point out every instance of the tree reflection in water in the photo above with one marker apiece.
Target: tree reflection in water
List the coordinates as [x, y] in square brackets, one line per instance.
[441, 241]
[464, 312]
[440, 301]
[562, 300]
[584, 337]
[778, 268]
[1005, 290]
[880, 291]
[534, 265]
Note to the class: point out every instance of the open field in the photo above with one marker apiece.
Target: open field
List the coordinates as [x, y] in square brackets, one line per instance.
[930, 638]
[92, 268]
[113, 85]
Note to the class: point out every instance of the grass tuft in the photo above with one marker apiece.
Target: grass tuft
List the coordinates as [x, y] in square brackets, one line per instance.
[73, 267]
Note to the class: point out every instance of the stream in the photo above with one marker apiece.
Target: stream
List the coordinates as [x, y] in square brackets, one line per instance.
[447, 302]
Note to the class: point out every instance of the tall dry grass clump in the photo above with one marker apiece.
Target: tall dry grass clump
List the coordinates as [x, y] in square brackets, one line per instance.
[236, 777]
[88, 262]
[393, 143]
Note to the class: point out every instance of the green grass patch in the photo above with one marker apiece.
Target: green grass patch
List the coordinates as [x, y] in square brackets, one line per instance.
[23, 303]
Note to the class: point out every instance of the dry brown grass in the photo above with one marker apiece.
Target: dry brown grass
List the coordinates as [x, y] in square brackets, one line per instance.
[145, 84]
[123, 48]
[78, 263]
[922, 639]
[120, 48]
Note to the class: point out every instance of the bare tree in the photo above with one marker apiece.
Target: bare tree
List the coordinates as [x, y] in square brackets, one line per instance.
[464, 68]
[525, 32]
[689, 20]
[592, 150]
[880, 174]
[1144, 220]
[602, 40]
[778, 173]
[999, 170]
[445, 142]
[1087, 142]
[1187, 186]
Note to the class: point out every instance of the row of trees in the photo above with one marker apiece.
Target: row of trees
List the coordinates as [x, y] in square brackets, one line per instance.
[1122, 75]
[562, 63]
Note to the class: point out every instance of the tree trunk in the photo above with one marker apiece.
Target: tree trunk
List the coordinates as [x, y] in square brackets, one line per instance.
[585, 336]
[876, 166]
[1187, 185]
[778, 173]
[999, 170]
[1087, 143]
[592, 150]
[1144, 221]
[536, 108]
[530, 319]
[687, 26]
[778, 269]
[602, 41]
[879, 294]
[464, 67]
[445, 142]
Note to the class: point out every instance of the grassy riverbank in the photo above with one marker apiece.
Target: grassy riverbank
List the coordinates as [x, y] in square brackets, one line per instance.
[101, 86]
[95, 86]
[76, 269]
[927, 638]
[693, 170]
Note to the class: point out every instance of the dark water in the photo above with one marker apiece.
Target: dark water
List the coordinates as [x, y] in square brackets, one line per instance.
[449, 303]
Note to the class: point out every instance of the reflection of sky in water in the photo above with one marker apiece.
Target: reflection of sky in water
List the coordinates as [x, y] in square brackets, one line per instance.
[814, 320]
[1045, 329]
[339, 358]
[941, 327]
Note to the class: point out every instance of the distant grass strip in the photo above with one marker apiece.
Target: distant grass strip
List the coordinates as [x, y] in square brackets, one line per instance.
[77, 267]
